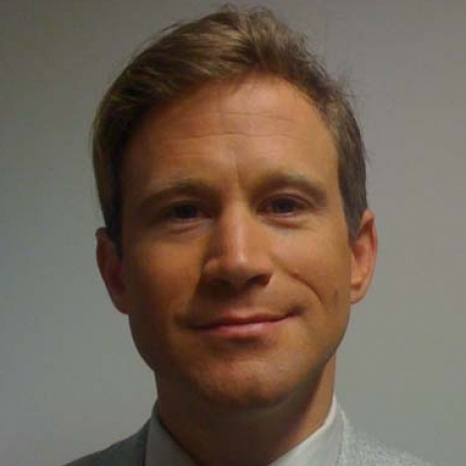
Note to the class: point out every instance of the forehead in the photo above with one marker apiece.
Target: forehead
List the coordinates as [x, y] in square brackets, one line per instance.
[258, 99]
[255, 121]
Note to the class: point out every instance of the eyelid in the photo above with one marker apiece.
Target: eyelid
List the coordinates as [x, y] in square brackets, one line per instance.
[181, 202]
[299, 201]
[168, 211]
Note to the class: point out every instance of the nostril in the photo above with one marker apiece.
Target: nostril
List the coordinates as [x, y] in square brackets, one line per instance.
[261, 280]
[222, 287]
[236, 276]
[240, 282]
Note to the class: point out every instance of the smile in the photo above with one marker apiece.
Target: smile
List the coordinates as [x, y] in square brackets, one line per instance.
[243, 326]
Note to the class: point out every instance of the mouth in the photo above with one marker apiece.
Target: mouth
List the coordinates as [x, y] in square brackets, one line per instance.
[242, 326]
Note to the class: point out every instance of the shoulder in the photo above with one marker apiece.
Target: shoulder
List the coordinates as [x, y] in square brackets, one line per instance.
[361, 449]
[127, 452]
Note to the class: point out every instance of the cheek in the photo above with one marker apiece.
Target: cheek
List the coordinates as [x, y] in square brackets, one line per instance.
[160, 288]
[317, 253]
[160, 297]
[159, 275]
[320, 268]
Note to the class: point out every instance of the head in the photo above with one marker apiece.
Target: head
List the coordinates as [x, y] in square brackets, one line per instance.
[231, 174]
[226, 45]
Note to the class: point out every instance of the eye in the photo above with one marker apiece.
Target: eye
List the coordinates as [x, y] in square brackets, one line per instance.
[183, 212]
[284, 206]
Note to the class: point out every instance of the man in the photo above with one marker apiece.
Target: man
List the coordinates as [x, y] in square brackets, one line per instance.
[231, 176]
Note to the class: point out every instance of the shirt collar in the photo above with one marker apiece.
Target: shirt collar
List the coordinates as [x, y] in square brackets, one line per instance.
[161, 448]
[322, 448]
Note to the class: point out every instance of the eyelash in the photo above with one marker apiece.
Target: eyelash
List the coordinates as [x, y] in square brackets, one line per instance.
[298, 204]
[170, 212]
[295, 204]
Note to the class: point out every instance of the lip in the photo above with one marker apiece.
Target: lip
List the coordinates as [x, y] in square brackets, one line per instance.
[239, 326]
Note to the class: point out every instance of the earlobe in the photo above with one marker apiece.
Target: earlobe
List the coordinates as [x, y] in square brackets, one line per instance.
[111, 270]
[364, 254]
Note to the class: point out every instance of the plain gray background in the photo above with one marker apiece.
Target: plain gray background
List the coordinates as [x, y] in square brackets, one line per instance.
[70, 380]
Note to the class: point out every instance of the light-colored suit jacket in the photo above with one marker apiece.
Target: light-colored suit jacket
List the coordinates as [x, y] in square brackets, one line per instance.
[357, 450]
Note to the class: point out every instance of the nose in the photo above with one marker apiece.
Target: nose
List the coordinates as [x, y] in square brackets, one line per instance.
[237, 255]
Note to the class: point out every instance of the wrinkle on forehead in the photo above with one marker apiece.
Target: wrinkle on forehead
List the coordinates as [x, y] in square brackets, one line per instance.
[252, 106]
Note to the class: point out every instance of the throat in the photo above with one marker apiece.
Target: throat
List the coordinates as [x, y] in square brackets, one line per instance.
[218, 436]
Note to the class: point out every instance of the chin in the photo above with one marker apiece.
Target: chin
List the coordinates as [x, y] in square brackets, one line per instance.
[254, 386]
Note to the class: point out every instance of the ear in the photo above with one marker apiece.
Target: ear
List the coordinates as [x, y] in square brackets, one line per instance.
[111, 269]
[364, 254]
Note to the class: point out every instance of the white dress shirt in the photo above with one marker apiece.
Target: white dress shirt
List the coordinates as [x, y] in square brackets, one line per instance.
[322, 448]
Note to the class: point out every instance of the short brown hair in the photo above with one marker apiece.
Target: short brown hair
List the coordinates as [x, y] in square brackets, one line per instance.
[227, 44]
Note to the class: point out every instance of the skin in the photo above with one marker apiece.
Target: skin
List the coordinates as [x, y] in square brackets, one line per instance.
[237, 272]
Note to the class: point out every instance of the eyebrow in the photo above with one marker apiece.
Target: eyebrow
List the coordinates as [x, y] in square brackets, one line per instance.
[188, 186]
[315, 189]
[192, 186]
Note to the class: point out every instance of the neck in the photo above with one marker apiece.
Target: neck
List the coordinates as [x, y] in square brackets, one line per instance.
[218, 436]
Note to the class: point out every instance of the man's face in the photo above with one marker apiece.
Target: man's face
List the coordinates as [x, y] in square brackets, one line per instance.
[237, 272]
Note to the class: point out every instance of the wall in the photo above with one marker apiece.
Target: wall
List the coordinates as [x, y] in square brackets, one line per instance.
[70, 380]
